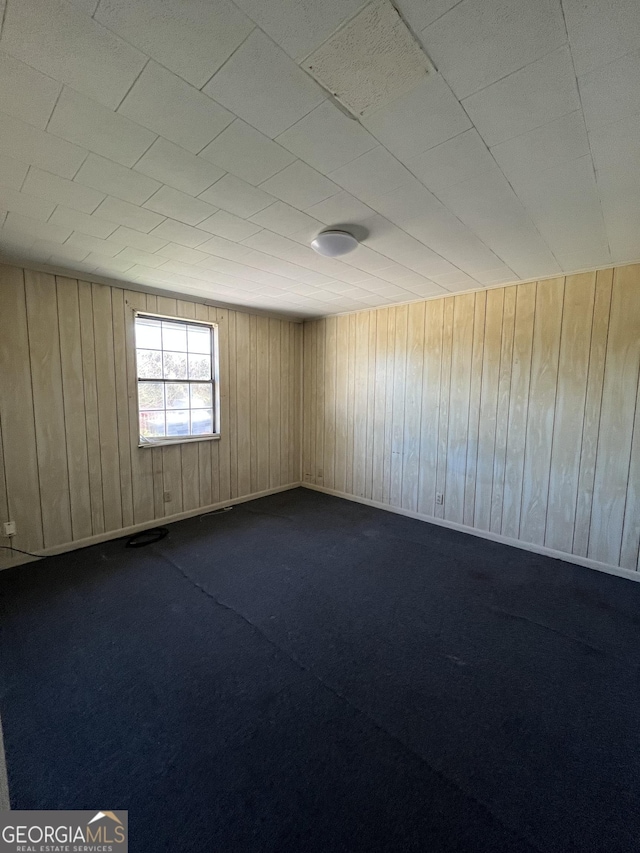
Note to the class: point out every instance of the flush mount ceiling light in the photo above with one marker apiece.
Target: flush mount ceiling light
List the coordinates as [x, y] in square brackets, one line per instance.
[334, 243]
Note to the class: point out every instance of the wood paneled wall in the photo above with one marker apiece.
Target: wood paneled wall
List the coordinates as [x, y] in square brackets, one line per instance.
[70, 467]
[519, 404]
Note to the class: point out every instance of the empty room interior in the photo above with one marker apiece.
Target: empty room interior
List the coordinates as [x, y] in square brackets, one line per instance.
[320, 426]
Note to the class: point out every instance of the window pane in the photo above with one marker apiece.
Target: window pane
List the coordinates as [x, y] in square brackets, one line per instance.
[152, 424]
[148, 335]
[199, 339]
[149, 364]
[201, 421]
[177, 395]
[199, 366]
[174, 337]
[178, 422]
[201, 396]
[151, 395]
[175, 365]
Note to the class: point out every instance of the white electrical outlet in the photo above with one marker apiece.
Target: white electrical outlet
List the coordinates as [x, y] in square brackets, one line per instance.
[9, 528]
[439, 498]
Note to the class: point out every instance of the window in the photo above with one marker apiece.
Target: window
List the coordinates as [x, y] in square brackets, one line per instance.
[177, 379]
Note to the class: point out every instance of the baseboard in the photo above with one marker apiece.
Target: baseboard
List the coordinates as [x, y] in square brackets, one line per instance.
[145, 525]
[483, 534]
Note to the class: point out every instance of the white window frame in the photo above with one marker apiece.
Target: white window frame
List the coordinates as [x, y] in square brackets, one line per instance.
[165, 440]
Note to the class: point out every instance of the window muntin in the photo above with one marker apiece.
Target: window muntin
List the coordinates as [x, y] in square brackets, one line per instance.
[176, 374]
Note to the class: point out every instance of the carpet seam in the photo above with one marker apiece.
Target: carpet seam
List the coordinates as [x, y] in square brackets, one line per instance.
[346, 701]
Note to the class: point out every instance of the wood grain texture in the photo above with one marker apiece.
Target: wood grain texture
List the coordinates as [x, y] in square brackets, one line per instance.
[70, 465]
[520, 404]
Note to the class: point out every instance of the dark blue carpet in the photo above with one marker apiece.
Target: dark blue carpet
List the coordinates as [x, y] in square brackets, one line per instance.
[308, 674]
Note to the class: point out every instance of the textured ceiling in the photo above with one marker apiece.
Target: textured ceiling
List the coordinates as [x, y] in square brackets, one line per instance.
[181, 144]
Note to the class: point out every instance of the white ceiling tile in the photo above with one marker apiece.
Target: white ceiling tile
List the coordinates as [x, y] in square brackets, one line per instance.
[12, 172]
[105, 264]
[229, 226]
[300, 186]
[237, 196]
[391, 241]
[180, 206]
[526, 99]
[164, 103]
[172, 165]
[601, 30]
[264, 86]
[480, 41]
[620, 200]
[30, 145]
[375, 173]
[106, 248]
[611, 92]
[176, 252]
[326, 138]
[26, 93]
[616, 147]
[453, 161]
[193, 38]
[488, 206]
[61, 191]
[82, 121]
[26, 205]
[117, 180]
[57, 254]
[559, 141]
[286, 220]
[15, 222]
[71, 47]
[340, 208]
[123, 213]
[421, 13]
[370, 61]
[247, 153]
[137, 256]
[299, 26]
[178, 232]
[91, 225]
[424, 117]
[136, 239]
[564, 204]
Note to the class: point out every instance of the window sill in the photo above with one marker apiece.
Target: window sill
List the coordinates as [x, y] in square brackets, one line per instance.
[182, 439]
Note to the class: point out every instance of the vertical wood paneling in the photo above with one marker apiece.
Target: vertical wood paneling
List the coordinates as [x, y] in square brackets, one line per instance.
[459, 392]
[617, 418]
[122, 403]
[48, 407]
[318, 379]
[518, 408]
[541, 415]
[431, 386]
[329, 381]
[571, 393]
[488, 408]
[70, 465]
[445, 392]
[593, 405]
[499, 400]
[360, 402]
[474, 406]
[413, 405]
[502, 411]
[18, 423]
[73, 401]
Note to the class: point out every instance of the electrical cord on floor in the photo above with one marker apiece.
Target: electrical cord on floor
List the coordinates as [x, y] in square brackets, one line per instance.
[18, 551]
[216, 512]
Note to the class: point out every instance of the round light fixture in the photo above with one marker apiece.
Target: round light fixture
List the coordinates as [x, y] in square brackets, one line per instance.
[334, 243]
